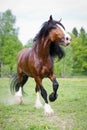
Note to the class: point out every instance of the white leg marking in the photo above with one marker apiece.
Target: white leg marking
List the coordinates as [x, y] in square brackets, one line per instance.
[48, 110]
[18, 96]
[38, 102]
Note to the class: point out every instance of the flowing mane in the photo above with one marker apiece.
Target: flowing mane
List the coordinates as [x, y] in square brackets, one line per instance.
[55, 49]
[46, 27]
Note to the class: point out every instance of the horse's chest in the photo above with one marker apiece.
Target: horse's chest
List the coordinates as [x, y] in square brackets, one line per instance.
[46, 69]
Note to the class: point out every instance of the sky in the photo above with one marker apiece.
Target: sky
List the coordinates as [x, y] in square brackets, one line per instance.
[31, 14]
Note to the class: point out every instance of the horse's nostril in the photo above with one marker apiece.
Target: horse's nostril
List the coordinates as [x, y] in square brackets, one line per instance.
[67, 44]
[67, 38]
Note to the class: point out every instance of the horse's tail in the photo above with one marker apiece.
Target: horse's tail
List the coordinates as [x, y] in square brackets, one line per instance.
[14, 85]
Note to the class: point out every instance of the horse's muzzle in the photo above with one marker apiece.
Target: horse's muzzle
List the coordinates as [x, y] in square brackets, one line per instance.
[66, 40]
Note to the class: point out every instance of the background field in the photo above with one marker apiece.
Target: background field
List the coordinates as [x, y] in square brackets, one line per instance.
[70, 108]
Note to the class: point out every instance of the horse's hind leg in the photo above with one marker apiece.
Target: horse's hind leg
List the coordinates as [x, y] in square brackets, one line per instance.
[22, 79]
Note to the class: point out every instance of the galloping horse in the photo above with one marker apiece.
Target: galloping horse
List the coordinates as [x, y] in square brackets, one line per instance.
[37, 62]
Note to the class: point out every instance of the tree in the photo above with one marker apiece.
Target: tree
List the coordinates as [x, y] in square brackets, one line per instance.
[10, 51]
[75, 32]
[64, 67]
[83, 34]
[9, 42]
[79, 46]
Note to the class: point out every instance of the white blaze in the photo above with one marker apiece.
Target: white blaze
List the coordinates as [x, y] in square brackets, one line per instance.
[62, 29]
[66, 35]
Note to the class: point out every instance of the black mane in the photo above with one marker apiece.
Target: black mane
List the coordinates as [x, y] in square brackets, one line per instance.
[46, 27]
[56, 50]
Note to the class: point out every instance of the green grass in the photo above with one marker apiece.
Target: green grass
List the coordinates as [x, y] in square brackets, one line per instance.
[70, 108]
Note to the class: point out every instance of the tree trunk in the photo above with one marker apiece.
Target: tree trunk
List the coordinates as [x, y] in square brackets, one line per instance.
[0, 70]
[11, 68]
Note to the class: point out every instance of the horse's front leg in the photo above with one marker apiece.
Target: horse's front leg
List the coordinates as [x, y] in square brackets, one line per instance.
[38, 103]
[47, 108]
[53, 96]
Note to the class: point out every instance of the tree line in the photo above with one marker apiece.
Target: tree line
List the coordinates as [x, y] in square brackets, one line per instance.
[9, 43]
[74, 63]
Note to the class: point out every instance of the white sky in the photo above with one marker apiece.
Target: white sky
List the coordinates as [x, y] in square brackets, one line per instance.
[30, 14]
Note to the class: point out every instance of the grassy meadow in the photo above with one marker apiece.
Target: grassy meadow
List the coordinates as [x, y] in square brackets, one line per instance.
[70, 109]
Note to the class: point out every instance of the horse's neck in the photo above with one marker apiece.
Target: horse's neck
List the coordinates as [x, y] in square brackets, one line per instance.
[43, 48]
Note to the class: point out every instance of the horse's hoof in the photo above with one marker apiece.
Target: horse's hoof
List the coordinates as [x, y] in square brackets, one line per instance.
[18, 100]
[48, 110]
[53, 97]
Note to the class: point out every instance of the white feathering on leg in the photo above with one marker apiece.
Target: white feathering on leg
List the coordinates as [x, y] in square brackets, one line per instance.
[38, 103]
[18, 96]
[48, 110]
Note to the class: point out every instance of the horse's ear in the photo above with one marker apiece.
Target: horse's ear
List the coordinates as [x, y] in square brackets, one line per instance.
[60, 20]
[50, 19]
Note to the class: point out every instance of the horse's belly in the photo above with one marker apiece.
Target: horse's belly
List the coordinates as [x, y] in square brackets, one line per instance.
[46, 71]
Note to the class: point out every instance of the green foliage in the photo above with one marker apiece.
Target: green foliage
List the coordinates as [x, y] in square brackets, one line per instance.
[10, 50]
[75, 32]
[7, 72]
[64, 67]
[9, 42]
[79, 46]
[7, 25]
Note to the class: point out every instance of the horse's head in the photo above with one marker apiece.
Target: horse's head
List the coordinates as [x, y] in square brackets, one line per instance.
[57, 32]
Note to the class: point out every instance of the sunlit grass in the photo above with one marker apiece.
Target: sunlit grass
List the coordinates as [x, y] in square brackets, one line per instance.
[70, 108]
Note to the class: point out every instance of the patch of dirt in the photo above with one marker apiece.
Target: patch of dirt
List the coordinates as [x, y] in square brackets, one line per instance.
[60, 123]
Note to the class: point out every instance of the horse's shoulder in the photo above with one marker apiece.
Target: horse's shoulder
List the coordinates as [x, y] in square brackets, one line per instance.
[24, 51]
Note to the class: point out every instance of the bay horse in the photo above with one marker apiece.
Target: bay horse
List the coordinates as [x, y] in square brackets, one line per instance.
[38, 62]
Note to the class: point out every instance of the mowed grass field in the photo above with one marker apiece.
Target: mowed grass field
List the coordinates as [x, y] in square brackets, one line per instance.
[70, 109]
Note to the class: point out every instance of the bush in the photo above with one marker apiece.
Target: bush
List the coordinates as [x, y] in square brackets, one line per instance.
[7, 72]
